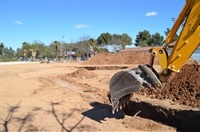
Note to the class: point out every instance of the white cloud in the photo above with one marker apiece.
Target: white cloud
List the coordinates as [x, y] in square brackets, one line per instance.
[152, 13]
[79, 26]
[18, 22]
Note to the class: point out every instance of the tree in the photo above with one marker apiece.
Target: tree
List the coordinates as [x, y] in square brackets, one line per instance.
[115, 44]
[56, 44]
[39, 49]
[8, 54]
[19, 53]
[26, 50]
[85, 42]
[1, 48]
[167, 31]
[93, 45]
[142, 38]
[156, 40]
[104, 39]
[45, 52]
[33, 50]
[125, 40]
[116, 39]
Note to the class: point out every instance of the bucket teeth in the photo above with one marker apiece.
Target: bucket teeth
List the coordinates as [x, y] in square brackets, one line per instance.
[113, 111]
[117, 109]
[122, 103]
[127, 103]
[120, 107]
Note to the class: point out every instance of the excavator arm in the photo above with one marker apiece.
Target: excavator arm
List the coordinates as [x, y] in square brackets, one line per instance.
[188, 40]
[124, 83]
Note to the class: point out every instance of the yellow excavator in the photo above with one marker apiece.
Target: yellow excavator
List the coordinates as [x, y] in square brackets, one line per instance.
[124, 83]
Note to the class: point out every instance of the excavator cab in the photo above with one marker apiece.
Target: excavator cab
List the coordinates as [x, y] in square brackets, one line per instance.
[124, 83]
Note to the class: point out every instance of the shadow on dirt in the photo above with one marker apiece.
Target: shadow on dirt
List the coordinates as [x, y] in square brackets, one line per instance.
[11, 110]
[22, 120]
[26, 122]
[101, 111]
[61, 118]
[182, 120]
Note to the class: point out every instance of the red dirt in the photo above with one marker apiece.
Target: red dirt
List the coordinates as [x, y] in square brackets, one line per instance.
[81, 73]
[182, 88]
[120, 58]
[84, 74]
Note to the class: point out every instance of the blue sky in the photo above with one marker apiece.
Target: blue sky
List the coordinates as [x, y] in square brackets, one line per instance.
[69, 20]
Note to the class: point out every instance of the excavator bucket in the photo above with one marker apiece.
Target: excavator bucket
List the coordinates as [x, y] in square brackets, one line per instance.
[124, 83]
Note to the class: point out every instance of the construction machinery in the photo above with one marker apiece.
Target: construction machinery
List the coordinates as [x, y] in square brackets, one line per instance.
[124, 83]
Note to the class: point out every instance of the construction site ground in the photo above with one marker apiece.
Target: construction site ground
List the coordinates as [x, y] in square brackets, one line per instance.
[72, 96]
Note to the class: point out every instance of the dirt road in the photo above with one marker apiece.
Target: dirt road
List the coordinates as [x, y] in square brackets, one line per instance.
[69, 97]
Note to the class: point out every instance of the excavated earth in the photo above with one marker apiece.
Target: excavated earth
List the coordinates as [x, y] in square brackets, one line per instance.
[120, 58]
[73, 96]
[182, 88]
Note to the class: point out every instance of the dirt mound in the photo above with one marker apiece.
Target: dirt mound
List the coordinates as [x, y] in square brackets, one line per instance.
[120, 58]
[182, 88]
[81, 73]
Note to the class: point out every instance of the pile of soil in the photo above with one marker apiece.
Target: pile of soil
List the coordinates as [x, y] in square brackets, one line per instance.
[81, 73]
[182, 88]
[120, 58]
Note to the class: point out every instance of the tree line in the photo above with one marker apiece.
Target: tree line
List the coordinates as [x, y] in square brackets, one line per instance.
[86, 44]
